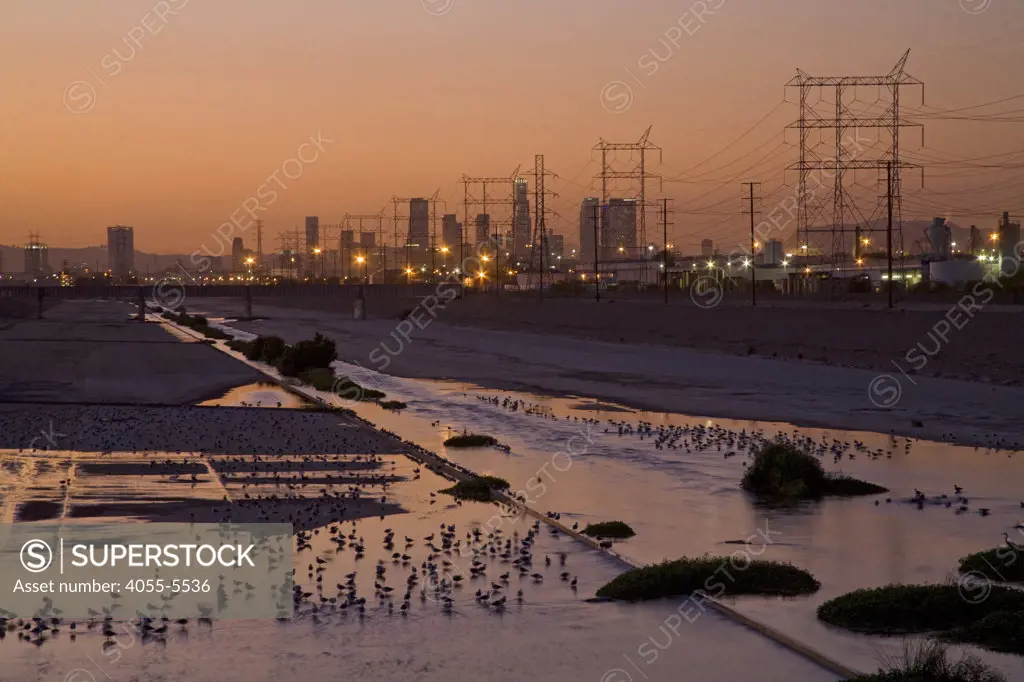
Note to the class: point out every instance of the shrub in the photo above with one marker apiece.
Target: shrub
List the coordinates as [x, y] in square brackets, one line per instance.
[609, 529]
[308, 354]
[271, 348]
[783, 472]
[1001, 564]
[393, 405]
[928, 662]
[471, 440]
[477, 488]
[903, 609]
[686, 576]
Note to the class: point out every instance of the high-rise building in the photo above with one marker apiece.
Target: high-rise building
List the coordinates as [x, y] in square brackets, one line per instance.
[419, 223]
[312, 243]
[121, 251]
[37, 258]
[347, 252]
[556, 249]
[237, 255]
[774, 252]
[619, 229]
[588, 228]
[521, 241]
[483, 232]
[707, 248]
[451, 232]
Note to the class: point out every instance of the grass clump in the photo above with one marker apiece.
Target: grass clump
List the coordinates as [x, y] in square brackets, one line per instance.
[710, 575]
[477, 488]
[324, 379]
[1001, 564]
[471, 440]
[393, 405]
[929, 662]
[990, 616]
[783, 472]
[609, 529]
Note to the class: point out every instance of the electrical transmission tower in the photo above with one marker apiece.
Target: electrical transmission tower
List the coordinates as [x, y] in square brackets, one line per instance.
[540, 248]
[637, 174]
[486, 200]
[379, 249]
[849, 150]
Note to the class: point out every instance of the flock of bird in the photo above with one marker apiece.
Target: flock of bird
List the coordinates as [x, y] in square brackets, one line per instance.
[434, 569]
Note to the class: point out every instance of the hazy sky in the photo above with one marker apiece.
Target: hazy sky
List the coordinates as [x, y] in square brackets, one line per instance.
[114, 115]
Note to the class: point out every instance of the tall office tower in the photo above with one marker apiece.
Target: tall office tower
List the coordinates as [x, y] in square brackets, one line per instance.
[37, 257]
[121, 251]
[483, 233]
[347, 252]
[312, 242]
[588, 229]
[417, 243]
[707, 248]
[521, 241]
[237, 255]
[451, 232]
[619, 229]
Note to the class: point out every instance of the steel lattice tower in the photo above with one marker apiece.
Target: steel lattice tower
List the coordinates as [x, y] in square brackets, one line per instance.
[539, 242]
[637, 173]
[506, 198]
[848, 123]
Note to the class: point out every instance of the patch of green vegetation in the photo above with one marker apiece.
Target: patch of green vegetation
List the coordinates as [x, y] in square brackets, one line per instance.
[710, 575]
[349, 390]
[477, 488]
[393, 405]
[321, 378]
[269, 348]
[929, 662]
[1001, 564]
[318, 352]
[609, 529]
[989, 616]
[471, 440]
[783, 472]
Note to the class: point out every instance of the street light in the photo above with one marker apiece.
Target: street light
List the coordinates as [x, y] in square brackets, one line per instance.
[444, 250]
[362, 261]
[316, 252]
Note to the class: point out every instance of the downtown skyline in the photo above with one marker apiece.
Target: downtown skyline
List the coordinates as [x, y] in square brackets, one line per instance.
[190, 116]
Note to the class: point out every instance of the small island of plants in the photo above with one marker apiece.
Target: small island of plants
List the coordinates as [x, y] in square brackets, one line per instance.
[989, 616]
[708, 574]
[617, 530]
[782, 472]
[471, 440]
[477, 488]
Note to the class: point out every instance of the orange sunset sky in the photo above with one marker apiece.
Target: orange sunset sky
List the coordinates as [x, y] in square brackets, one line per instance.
[114, 114]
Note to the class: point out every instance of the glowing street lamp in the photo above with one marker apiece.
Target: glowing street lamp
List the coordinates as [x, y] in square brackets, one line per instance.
[362, 261]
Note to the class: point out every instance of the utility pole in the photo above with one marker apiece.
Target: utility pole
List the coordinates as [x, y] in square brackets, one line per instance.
[664, 235]
[597, 270]
[753, 242]
[888, 230]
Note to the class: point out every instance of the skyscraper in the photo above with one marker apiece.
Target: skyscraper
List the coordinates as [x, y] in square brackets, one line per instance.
[237, 255]
[121, 251]
[521, 241]
[312, 243]
[37, 258]
[451, 232]
[588, 229]
[419, 223]
[483, 232]
[619, 229]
